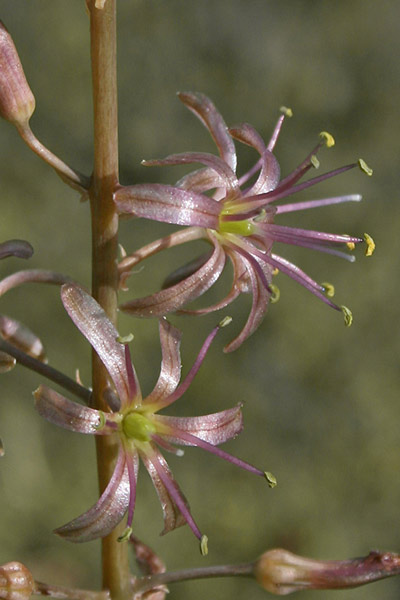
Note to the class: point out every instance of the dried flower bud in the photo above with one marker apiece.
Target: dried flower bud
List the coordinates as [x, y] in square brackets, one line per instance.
[281, 572]
[16, 582]
[17, 102]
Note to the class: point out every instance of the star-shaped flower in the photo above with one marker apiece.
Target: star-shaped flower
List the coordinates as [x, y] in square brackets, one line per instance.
[140, 429]
[238, 221]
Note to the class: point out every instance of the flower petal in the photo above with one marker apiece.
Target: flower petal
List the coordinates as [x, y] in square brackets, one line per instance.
[216, 428]
[103, 516]
[167, 204]
[205, 110]
[176, 511]
[67, 414]
[209, 160]
[201, 181]
[23, 338]
[259, 307]
[169, 300]
[93, 322]
[170, 374]
[32, 276]
[18, 248]
[7, 363]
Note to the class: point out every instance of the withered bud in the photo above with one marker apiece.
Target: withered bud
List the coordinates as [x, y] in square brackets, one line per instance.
[16, 582]
[17, 102]
[281, 572]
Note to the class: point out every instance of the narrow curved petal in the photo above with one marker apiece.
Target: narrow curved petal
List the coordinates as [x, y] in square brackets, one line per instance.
[18, 248]
[269, 175]
[186, 270]
[215, 429]
[260, 298]
[174, 239]
[205, 110]
[32, 276]
[92, 321]
[22, 337]
[169, 300]
[103, 516]
[208, 160]
[175, 507]
[70, 415]
[201, 181]
[170, 374]
[168, 204]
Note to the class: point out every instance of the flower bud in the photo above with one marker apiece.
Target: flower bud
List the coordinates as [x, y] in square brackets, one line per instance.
[281, 572]
[16, 582]
[17, 102]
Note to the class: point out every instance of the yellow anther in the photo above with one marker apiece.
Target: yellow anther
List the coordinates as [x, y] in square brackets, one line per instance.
[275, 271]
[314, 161]
[125, 339]
[370, 245]
[271, 479]
[276, 294]
[348, 316]
[286, 111]
[350, 245]
[329, 139]
[225, 321]
[329, 289]
[204, 545]
[125, 535]
[364, 167]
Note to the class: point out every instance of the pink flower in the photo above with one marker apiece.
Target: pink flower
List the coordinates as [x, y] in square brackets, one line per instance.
[141, 431]
[238, 221]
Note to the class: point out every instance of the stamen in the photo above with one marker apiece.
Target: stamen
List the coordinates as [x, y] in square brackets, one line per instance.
[225, 321]
[328, 139]
[126, 534]
[348, 315]
[204, 545]
[370, 245]
[271, 479]
[286, 111]
[364, 167]
[125, 339]
[276, 293]
[329, 289]
[350, 245]
[314, 161]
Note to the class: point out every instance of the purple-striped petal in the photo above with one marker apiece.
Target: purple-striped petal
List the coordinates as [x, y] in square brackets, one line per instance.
[18, 248]
[32, 276]
[260, 298]
[208, 160]
[173, 517]
[205, 110]
[103, 516]
[67, 414]
[201, 181]
[216, 428]
[97, 328]
[22, 337]
[167, 204]
[169, 300]
[170, 374]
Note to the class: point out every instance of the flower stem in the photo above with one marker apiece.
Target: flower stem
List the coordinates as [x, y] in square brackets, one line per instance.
[116, 577]
[144, 584]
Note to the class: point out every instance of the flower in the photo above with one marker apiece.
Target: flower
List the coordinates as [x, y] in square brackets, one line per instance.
[238, 221]
[141, 431]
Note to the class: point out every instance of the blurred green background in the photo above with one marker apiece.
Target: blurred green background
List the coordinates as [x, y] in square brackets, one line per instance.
[321, 401]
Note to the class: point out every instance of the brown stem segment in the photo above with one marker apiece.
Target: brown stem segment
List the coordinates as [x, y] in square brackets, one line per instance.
[116, 577]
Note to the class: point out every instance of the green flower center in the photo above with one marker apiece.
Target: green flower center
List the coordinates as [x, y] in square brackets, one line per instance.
[245, 227]
[138, 427]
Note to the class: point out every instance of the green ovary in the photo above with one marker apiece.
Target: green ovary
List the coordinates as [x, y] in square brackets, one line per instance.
[244, 227]
[138, 427]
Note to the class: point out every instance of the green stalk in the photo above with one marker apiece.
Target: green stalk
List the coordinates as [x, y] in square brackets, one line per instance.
[116, 576]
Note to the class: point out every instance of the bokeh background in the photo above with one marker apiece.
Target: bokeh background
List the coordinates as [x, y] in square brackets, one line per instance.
[321, 401]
